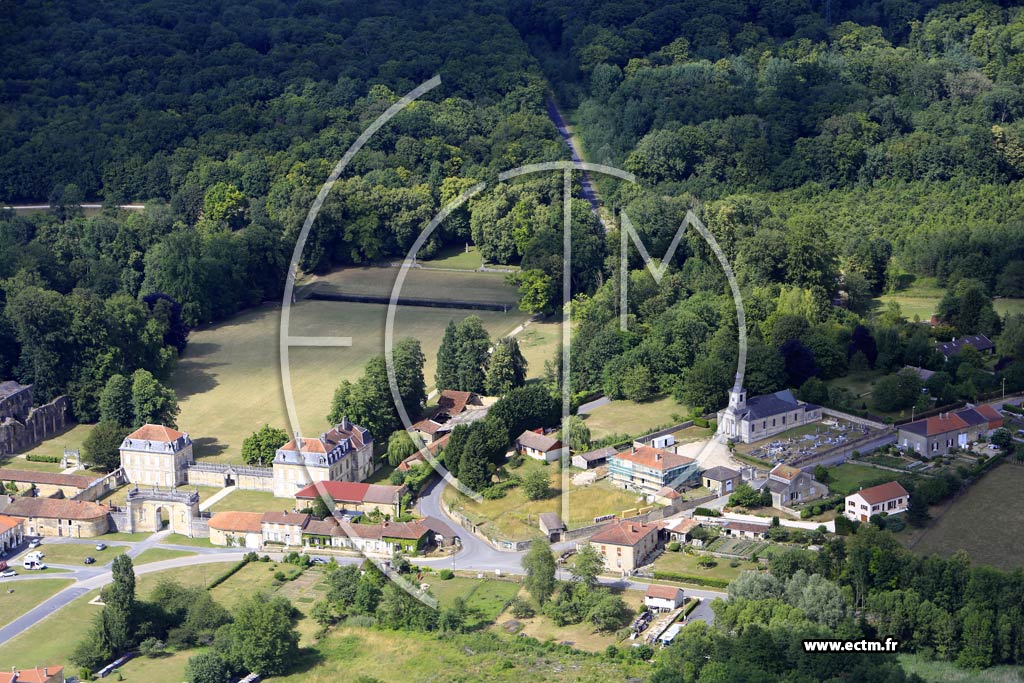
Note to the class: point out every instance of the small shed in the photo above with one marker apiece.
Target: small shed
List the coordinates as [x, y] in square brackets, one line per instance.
[551, 525]
[592, 459]
[660, 598]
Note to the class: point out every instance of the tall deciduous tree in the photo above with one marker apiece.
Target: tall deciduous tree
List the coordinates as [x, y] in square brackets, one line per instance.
[101, 447]
[264, 640]
[116, 402]
[539, 565]
[152, 402]
[260, 447]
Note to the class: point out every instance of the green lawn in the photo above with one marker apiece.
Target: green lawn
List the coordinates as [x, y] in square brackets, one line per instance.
[75, 553]
[420, 283]
[515, 518]
[847, 478]
[252, 578]
[228, 380]
[977, 522]
[486, 598]
[53, 639]
[158, 554]
[169, 668]
[252, 501]
[538, 343]
[24, 595]
[123, 536]
[921, 299]
[634, 419]
[16, 462]
[413, 656]
[198, 541]
[682, 563]
[54, 446]
[934, 671]
[455, 256]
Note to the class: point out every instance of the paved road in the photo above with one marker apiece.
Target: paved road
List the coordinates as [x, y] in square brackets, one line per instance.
[585, 408]
[587, 188]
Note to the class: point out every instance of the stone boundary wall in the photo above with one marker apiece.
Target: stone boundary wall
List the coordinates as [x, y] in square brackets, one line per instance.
[102, 486]
[864, 422]
[41, 423]
[246, 477]
[647, 438]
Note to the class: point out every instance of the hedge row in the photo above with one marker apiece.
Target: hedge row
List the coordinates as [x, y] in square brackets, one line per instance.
[686, 578]
[1010, 408]
[42, 458]
[230, 572]
[707, 512]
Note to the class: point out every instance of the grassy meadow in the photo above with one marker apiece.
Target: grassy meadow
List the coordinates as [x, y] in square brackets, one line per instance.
[977, 522]
[514, 517]
[921, 299]
[229, 378]
[634, 418]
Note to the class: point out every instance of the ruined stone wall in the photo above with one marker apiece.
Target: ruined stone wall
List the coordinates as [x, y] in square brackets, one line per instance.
[17, 404]
[41, 423]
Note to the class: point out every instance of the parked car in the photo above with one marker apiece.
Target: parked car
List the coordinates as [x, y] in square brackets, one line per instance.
[33, 564]
[101, 546]
[34, 543]
[319, 560]
[8, 573]
[90, 560]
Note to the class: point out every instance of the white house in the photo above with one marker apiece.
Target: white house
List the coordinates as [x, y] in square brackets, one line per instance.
[890, 498]
[540, 446]
[663, 598]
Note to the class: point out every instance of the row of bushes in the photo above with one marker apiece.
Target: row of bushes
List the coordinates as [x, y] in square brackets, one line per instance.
[237, 567]
[707, 512]
[1010, 408]
[686, 578]
[42, 458]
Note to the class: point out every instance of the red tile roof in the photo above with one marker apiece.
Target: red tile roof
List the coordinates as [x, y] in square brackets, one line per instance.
[56, 508]
[297, 518]
[655, 458]
[337, 434]
[624, 533]
[43, 674]
[352, 492]
[231, 520]
[656, 590]
[751, 527]
[786, 472]
[990, 413]
[160, 433]
[454, 402]
[78, 481]
[882, 493]
[8, 523]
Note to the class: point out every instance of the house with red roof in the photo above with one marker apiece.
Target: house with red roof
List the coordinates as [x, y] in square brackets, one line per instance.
[40, 674]
[659, 598]
[890, 498]
[352, 496]
[343, 453]
[625, 545]
[156, 455]
[939, 434]
[453, 408]
[647, 470]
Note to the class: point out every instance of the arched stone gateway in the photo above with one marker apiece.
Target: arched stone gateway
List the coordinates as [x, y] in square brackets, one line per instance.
[146, 507]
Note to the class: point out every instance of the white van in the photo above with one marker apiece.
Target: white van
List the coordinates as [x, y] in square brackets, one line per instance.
[32, 563]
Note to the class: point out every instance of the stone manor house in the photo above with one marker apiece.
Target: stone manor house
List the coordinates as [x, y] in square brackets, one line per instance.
[154, 455]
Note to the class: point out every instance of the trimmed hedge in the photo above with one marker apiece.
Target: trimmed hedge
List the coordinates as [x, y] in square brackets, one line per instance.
[687, 578]
[42, 458]
[692, 605]
[230, 572]
[707, 512]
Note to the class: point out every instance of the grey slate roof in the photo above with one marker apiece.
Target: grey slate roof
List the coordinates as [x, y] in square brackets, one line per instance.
[761, 407]
[978, 341]
[720, 474]
[599, 454]
[551, 521]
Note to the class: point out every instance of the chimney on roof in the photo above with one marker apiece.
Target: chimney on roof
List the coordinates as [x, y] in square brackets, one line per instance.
[345, 424]
[298, 441]
[632, 528]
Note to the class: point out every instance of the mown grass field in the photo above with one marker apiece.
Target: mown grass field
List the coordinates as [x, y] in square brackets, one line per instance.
[683, 563]
[158, 554]
[18, 597]
[921, 299]
[977, 522]
[229, 382]
[455, 256]
[54, 638]
[847, 478]
[420, 283]
[485, 598]
[633, 418]
[516, 518]
[252, 501]
[71, 439]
